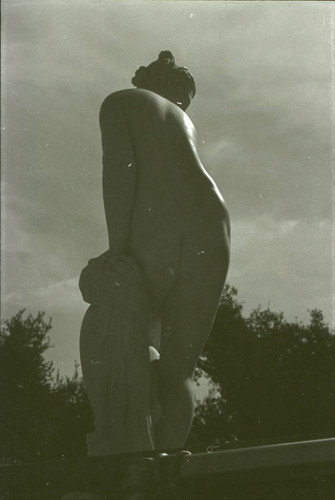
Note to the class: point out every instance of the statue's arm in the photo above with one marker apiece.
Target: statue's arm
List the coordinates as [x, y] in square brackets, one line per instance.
[119, 174]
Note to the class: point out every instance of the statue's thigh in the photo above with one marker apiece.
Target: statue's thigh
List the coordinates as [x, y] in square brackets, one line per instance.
[188, 316]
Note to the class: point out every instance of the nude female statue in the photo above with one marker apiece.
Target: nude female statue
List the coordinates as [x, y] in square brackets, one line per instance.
[169, 231]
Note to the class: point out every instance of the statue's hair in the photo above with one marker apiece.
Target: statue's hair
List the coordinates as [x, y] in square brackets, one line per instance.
[161, 72]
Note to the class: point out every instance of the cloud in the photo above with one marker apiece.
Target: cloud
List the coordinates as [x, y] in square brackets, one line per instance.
[286, 264]
[263, 75]
[63, 295]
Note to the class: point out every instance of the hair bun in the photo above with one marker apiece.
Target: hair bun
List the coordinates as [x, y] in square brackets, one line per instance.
[163, 72]
[140, 77]
[166, 54]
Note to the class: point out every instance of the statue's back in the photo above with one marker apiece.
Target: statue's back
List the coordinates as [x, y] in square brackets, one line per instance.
[149, 147]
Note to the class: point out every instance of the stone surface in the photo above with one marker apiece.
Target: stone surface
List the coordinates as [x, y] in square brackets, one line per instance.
[161, 280]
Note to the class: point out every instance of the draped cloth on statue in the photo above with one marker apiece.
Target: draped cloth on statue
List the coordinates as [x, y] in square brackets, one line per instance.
[114, 349]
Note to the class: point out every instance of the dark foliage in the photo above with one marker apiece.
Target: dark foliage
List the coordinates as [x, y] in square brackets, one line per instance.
[41, 417]
[273, 380]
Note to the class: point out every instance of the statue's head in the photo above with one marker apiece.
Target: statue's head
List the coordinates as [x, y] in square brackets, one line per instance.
[165, 78]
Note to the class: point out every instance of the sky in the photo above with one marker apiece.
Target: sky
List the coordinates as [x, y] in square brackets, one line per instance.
[263, 112]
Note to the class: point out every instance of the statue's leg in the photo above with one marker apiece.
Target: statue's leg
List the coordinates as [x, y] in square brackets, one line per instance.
[188, 317]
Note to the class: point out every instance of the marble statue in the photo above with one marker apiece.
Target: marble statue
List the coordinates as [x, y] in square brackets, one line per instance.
[154, 294]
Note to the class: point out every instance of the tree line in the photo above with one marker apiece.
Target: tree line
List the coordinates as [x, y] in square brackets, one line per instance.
[270, 380]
